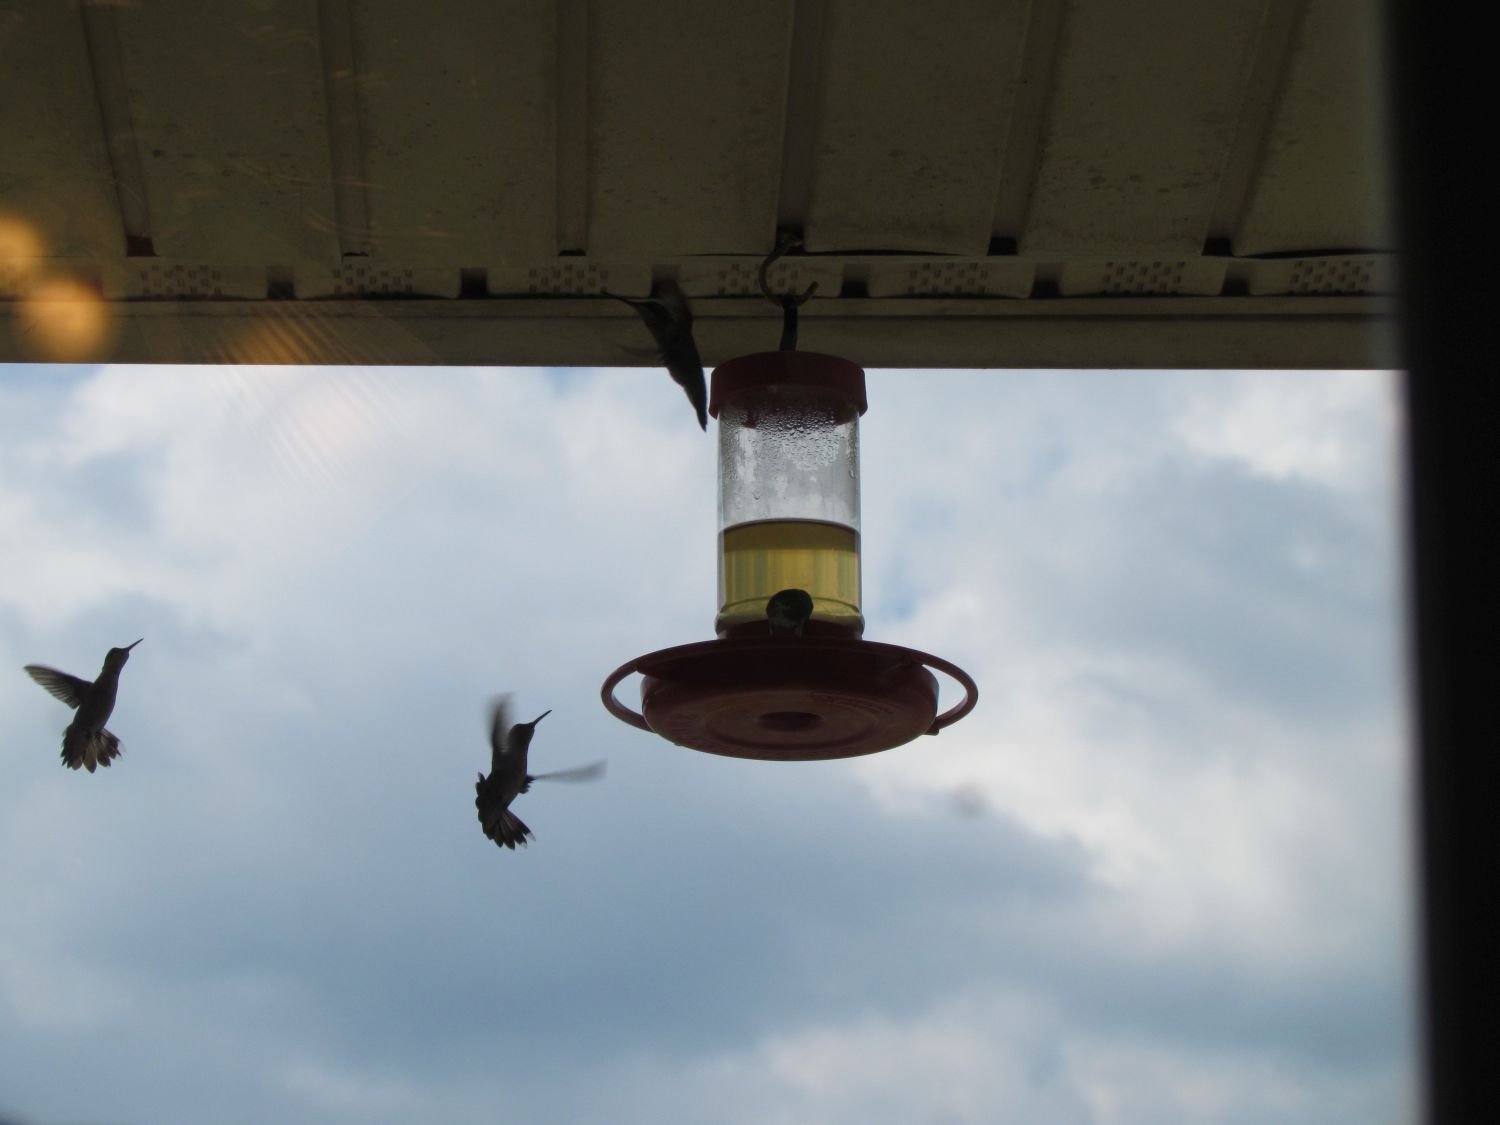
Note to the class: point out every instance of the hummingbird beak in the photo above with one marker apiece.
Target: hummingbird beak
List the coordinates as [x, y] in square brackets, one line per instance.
[539, 718]
[131, 646]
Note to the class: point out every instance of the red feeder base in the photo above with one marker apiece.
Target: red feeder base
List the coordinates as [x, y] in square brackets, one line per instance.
[789, 699]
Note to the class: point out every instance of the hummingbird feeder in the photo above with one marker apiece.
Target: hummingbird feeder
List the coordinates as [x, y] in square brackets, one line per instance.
[812, 688]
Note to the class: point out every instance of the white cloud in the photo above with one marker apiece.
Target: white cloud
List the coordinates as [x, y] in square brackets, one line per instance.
[1218, 817]
[1332, 429]
[1162, 583]
[328, 1090]
[995, 1056]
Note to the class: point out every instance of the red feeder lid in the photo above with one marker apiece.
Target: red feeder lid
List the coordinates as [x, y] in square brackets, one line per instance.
[807, 369]
[789, 698]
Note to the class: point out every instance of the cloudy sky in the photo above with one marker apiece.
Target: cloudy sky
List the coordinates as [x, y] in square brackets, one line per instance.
[1158, 875]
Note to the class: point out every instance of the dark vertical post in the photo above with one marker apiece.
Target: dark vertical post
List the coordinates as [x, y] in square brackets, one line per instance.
[1447, 193]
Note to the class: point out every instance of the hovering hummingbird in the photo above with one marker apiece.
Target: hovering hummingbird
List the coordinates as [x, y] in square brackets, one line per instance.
[508, 777]
[787, 612]
[670, 321]
[86, 743]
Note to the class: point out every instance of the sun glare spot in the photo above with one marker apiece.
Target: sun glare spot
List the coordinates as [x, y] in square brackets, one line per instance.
[20, 248]
[63, 321]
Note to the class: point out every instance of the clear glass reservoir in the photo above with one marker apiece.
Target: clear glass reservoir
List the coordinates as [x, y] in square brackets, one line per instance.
[788, 488]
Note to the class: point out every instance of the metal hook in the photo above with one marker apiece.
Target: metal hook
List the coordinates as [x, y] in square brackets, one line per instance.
[785, 241]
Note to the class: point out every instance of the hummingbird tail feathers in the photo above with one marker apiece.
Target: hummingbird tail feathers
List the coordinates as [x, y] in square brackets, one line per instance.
[89, 749]
[508, 830]
[499, 823]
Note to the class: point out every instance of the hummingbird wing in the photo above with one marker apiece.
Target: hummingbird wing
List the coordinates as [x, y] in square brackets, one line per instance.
[507, 758]
[500, 725]
[70, 689]
[670, 321]
[679, 351]
[669, 295]
[581, 773]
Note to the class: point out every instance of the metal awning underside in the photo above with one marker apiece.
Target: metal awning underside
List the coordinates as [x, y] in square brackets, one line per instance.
[1000, 183]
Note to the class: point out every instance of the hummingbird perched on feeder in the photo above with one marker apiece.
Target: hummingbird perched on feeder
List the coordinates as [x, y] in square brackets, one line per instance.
[787, 612]
[670, 321]
[508, 778]
[86, 743]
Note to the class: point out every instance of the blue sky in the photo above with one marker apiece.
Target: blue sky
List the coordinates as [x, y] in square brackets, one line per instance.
[1159, 874]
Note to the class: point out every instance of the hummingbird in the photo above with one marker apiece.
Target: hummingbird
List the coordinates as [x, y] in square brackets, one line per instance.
[670, 321]
[86, 743]
[787, 612]
[508, 778]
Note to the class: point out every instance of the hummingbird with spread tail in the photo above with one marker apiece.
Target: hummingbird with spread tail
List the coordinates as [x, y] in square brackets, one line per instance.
[508, 779]
[86, 743]
[670, 322]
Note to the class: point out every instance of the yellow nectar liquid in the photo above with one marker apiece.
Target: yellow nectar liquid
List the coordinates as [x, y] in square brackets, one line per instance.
[758, 559]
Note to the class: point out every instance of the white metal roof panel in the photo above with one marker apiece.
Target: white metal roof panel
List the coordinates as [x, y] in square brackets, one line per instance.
[913, 110]
[456, 120]
[1321, 183]
[975, 183]
[685, 125]
[229, 114]
[49, 119]
[1143, 116]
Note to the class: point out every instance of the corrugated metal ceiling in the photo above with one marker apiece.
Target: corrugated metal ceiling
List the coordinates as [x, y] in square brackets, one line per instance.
[1000, 183]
